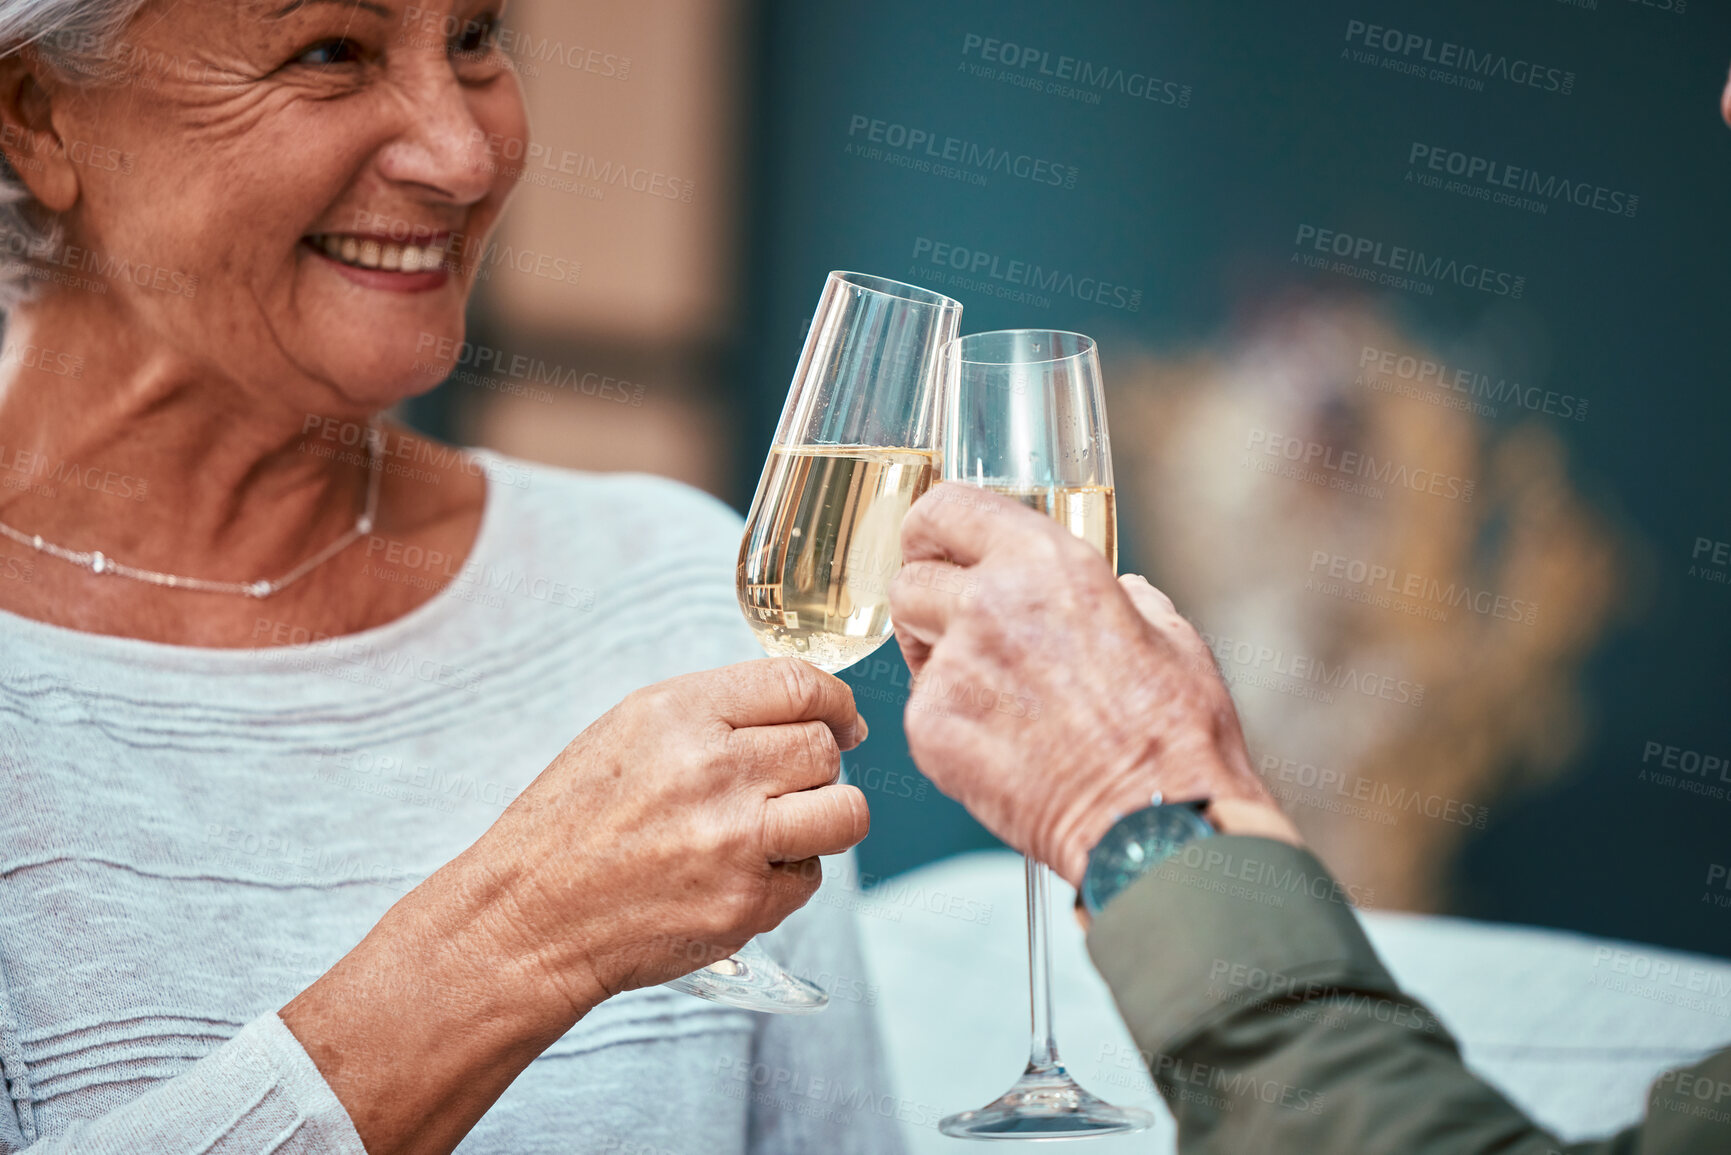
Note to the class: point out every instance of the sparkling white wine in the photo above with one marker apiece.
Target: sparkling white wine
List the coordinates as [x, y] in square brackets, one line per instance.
[1088, 511]
[823, 544]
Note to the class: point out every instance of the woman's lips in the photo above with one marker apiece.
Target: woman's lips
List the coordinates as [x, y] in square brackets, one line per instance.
[381, 263]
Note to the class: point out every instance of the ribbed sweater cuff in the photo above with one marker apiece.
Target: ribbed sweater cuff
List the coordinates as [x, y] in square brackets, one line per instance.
[323, 1122]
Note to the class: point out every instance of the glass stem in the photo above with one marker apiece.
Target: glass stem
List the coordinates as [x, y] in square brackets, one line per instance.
[1043, 1053]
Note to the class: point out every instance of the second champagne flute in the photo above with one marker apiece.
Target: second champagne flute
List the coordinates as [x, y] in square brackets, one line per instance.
[1026, 417]
[856, 446]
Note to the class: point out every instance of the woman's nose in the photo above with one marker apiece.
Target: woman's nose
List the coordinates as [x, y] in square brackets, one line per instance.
[445, 146]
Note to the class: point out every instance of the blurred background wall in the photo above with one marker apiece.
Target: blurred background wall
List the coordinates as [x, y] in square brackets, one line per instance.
[1416, 333]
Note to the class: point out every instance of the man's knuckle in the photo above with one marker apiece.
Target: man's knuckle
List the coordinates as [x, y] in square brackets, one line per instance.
[710, 841]
[801, 686]
[643, 699]
[710, 756]
[744, 747]
[820, 744]
[856, 814]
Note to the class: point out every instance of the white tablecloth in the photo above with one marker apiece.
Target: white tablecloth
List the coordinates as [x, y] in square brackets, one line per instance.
[1571, 1028]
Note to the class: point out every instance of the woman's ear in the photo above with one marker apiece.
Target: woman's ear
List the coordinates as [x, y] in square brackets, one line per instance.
[27, 134]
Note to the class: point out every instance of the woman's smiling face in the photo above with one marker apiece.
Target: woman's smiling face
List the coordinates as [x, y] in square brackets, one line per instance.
[327, 170]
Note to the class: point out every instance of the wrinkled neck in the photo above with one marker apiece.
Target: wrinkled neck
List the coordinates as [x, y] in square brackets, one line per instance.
[110, 439]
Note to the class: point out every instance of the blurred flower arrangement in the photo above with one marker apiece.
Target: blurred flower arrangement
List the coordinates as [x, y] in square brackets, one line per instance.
[1400, 589]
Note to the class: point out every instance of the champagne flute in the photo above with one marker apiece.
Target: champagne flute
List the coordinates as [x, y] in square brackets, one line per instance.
[856, 446]
[1025, 417]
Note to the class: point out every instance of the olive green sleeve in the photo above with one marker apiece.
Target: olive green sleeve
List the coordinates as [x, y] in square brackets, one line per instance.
[1270, 1025]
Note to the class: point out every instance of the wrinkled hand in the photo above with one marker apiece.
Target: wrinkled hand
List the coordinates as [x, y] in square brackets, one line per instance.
[1050, 697]
[681, 823]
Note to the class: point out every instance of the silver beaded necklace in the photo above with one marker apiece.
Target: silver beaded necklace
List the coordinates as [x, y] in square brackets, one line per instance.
[100, 563]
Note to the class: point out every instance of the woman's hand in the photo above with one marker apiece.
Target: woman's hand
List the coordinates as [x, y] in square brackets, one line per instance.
[681, 823]
[1049, 697]
[684, 821]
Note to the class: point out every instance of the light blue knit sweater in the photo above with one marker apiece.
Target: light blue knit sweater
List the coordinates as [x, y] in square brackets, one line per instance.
[189, 837]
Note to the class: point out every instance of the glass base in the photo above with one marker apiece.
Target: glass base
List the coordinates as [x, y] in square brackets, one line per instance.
[752, 981]
[1046, 1104]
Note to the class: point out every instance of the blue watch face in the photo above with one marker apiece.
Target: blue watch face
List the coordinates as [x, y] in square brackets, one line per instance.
[1136, 844]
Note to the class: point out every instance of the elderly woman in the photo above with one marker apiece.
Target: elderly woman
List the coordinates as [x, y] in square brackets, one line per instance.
[294, 854]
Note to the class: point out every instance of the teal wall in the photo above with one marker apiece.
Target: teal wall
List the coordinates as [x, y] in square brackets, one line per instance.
[1193, 203]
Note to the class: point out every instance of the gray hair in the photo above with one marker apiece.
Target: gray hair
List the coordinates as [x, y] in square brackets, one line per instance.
[74, 38]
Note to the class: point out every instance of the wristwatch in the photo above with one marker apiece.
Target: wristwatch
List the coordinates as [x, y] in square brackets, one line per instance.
[1136, 844]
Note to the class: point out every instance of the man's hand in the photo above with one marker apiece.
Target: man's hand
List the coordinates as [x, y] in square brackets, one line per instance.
[1051, 698]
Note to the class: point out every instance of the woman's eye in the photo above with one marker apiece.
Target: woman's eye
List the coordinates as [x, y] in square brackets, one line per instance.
[328, 52]
[476, 37]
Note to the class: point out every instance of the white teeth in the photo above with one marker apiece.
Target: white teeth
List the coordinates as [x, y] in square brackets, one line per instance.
[390, 256]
